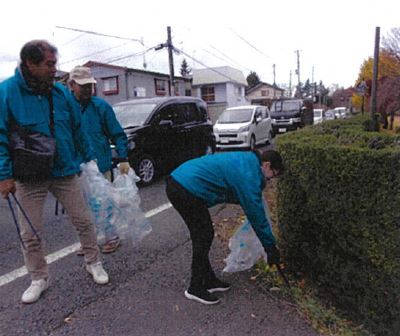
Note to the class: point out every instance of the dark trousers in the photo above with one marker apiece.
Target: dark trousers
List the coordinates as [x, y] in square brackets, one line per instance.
[195, 213]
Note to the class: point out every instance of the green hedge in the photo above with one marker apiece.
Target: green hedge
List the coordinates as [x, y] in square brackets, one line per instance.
[339, 216]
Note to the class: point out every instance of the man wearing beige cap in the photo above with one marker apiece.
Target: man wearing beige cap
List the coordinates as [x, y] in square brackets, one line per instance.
[102, 127]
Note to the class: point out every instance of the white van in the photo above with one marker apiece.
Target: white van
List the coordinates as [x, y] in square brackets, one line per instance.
[243, 127]
[341, 112]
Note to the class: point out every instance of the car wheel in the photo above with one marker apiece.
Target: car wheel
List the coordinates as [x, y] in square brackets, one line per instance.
[252, 142]
[146, 170]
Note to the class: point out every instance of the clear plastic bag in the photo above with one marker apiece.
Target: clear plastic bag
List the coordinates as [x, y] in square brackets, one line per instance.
[99, 196]
[128, 217]
[115, 207]
[245, 247]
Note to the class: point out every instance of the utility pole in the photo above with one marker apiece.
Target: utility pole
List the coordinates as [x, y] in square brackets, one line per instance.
[375, 73]
[313, 85]
[170, 59]
[290, 84]
[144, 55]
[273, 66]
[298, 72]
[298, 67]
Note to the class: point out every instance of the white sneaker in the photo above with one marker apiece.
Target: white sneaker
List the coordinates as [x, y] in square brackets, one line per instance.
[32, 294]
[99, 274]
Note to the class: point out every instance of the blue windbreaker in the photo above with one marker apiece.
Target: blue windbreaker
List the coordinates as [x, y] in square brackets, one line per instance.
[33, 112]
[231, 177]
[101, 126]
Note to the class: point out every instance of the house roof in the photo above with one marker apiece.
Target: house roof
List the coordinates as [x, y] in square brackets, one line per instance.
[224, 74]
[118, 67]
[261, 85]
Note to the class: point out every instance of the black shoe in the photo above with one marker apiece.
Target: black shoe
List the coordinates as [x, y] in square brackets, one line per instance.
[217, 286]
[202, 296]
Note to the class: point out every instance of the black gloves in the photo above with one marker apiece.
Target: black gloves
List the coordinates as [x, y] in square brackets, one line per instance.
[274, 257]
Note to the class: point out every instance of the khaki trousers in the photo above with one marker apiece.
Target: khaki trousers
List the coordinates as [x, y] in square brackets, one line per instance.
[32, 198]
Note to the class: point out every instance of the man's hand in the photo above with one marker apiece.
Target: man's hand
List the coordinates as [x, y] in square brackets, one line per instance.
[7, 186]
[274, 257]
[124, 167]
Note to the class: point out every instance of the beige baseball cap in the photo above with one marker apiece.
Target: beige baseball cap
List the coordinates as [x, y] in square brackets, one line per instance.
[82, 75]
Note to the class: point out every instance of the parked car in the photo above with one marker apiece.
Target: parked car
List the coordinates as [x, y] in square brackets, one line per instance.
[243, 127]
[319, 116]
[330, 114]
[164, 132]
[291, 114]
[341, 112]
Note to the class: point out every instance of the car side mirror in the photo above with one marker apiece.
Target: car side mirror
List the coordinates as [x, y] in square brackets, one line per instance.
[165, 123]
[258, 119]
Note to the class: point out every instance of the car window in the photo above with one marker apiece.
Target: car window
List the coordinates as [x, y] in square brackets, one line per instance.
[235, 116]
[172, 113]
[258, 113]
[133, 114]
[286, 105]
[192, 113]
[264, 113]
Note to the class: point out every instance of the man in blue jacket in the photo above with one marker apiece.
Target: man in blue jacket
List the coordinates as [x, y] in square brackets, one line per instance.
[102, 128]
[231, 177]
[26, 99]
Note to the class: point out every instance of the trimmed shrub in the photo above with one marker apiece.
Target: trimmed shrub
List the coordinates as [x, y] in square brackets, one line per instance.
[339, 216]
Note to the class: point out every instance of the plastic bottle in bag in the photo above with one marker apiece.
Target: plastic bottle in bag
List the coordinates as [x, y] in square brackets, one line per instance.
[129, 219]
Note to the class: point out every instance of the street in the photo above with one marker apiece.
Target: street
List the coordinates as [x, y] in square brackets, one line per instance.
[145, 293]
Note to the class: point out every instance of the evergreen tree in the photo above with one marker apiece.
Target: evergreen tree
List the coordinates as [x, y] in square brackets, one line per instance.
[252, 79]
[185, 70]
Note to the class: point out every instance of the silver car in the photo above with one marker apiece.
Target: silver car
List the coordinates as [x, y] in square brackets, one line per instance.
[243, 127]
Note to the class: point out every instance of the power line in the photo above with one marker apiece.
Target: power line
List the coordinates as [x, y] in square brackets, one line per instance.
[101, 34]
[95, 53]
[73, 39]
[128, 56]
[218, 57]
[247, 42]
[206, 66]
[229, 58]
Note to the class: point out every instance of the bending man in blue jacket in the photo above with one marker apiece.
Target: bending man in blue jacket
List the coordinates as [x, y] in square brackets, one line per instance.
[26, 98]
[231, 177]
[102, 127]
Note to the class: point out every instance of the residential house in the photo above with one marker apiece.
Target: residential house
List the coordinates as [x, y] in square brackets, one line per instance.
[342, 98]
[117, 83]
[220, 87]
[264, 93]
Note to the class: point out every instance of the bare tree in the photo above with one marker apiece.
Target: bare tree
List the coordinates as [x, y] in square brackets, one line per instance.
[391, 42]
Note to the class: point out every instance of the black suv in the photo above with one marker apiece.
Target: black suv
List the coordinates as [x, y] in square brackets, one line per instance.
[164, 132]
[291, 114]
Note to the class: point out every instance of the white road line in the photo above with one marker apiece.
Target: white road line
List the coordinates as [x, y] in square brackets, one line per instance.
[20, 272]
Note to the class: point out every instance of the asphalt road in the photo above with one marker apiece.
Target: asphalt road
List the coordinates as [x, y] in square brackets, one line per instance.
[145, 295]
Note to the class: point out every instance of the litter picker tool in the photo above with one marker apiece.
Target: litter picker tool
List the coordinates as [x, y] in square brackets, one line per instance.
[16, 221]
[278, 267]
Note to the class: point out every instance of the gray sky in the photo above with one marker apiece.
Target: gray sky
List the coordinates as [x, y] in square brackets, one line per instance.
[334, 37]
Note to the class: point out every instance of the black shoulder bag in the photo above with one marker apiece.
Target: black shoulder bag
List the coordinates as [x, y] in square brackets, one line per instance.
[32, 153]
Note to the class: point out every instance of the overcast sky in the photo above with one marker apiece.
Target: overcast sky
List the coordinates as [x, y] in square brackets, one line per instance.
[333, 37]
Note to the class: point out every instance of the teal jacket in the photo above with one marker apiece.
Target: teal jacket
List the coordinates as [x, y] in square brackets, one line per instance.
[231, 177]
[102, 126]
[33, 112]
